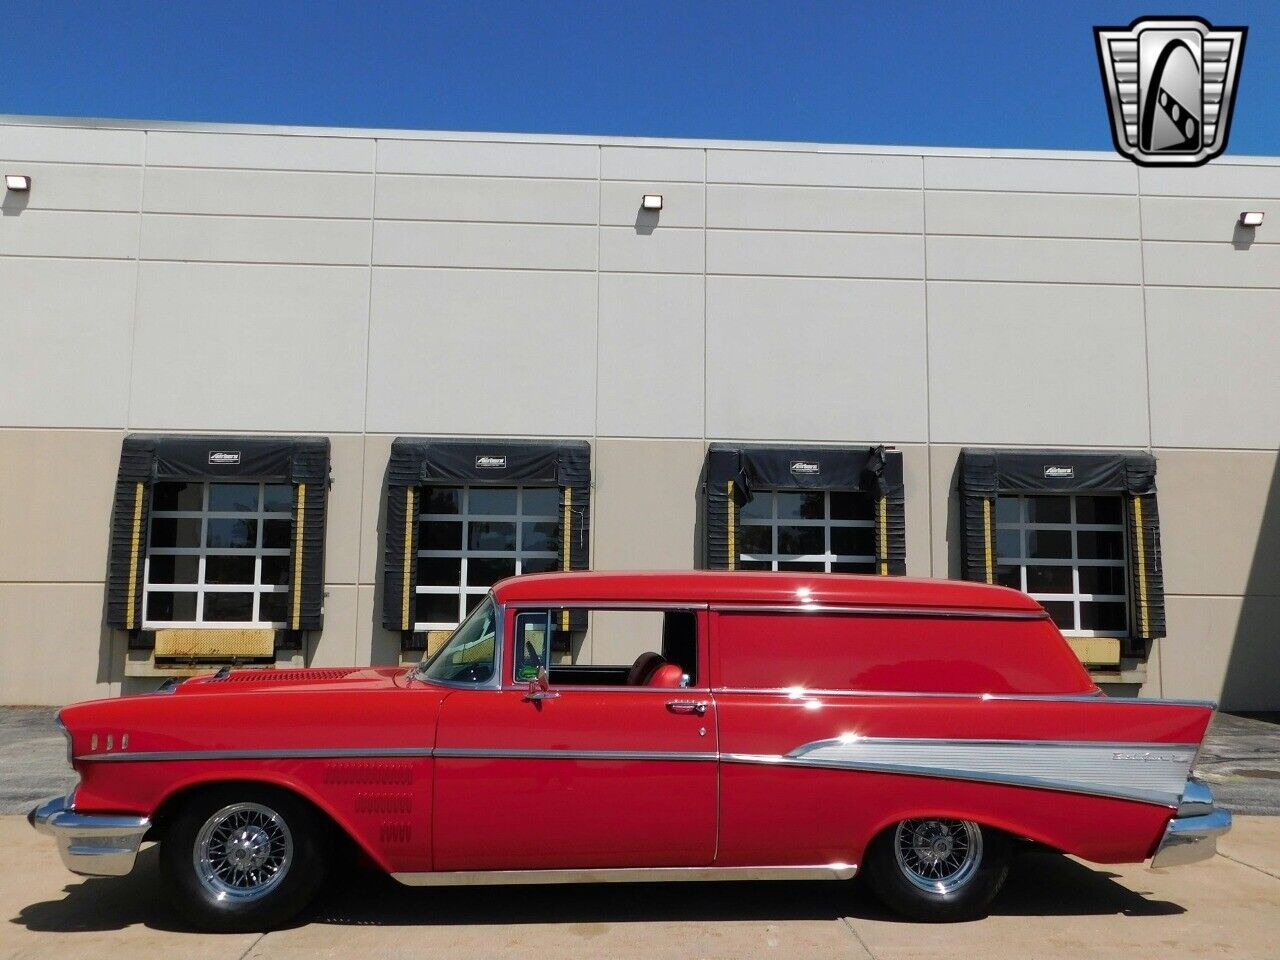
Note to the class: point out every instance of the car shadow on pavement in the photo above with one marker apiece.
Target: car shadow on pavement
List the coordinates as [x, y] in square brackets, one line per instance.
[1040, 884]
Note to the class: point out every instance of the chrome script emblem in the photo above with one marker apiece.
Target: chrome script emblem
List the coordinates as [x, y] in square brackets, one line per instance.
[1170, 84]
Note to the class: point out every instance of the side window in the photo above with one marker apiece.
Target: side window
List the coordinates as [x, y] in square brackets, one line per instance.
[607, 648]
[532, 632]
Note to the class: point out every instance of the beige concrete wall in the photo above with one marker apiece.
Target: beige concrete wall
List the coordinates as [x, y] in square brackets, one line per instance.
[644, 503]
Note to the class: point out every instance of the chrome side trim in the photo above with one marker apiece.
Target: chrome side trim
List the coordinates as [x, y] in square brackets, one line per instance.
[1095, 697]
[290, 753]
[479, 753]
[93, 845]
[830, 871]
[954, 613]
[486, 753]
[1148, 773]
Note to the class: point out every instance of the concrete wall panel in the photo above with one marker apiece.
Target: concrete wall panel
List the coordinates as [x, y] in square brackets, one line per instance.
[489, 159]
[259, 193]
[335, 645]
[1212, 264]
[248, 347]
[651, 341]
[66, 329]
[1212, 220]
[765, 254]
[76, 186]
[168, 148]
[487, 199]
[1222, 648]
[658, 250]
[1034, 260]
[70, 145]
[813, 169]
[1220, 521]
[829, 360]
[1215, 180]
[66, 654]
[652, 163]
[682, 204]
[344, 523]
[482, 352]
[56, 491]
[1112, 175]
[1032, 214]
[1214, 361]
[1080, 379]
[814, 208]
[255, 239]
[915, 472]
[512, 246]
[58, 233]
[644, 503]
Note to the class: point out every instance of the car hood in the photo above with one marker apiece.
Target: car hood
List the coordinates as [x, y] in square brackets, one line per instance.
[292, 679]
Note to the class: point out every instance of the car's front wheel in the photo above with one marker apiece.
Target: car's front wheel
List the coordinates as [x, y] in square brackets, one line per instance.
[241, 858]
[938, 869]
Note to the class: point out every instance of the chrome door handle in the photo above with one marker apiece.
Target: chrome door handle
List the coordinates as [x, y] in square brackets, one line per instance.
[541, 695]
[687, 706]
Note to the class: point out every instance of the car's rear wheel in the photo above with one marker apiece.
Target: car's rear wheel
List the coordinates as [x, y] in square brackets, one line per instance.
[241, 858]
[938, 869]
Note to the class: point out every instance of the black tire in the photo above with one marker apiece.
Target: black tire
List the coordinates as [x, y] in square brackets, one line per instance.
[963, 894]
[278, 887]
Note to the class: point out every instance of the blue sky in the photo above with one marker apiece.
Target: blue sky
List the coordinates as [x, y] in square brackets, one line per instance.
[963, 74]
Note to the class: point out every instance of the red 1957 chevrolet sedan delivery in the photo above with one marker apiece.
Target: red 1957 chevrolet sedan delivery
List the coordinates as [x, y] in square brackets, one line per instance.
[648, 726]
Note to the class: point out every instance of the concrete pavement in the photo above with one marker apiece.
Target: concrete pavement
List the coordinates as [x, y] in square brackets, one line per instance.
[1228, 907]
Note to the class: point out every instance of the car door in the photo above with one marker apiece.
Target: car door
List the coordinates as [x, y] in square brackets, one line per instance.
[575, 776]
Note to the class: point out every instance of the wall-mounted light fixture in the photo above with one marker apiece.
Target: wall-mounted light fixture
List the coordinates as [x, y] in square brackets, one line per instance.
[651, 201]
[1251, 218]
[17, 182]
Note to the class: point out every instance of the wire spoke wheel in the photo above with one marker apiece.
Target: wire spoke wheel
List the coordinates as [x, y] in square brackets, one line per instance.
[243, 852]
[938, 856]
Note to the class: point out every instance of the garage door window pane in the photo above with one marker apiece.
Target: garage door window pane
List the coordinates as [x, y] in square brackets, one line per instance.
[1074, 562]
[227, 546]
[806, 530]
[470, 537]
[233, 497]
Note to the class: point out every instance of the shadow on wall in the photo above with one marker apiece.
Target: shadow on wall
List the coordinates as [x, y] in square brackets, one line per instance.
[14, 202]
[1252, 680]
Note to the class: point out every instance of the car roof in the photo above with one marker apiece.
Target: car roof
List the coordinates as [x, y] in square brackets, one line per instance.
[752, 587]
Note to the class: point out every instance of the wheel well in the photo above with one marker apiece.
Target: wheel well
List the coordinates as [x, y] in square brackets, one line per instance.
[164, 815]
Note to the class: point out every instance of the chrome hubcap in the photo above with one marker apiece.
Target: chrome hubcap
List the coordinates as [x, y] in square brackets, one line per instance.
[243, 852]
[939, 856]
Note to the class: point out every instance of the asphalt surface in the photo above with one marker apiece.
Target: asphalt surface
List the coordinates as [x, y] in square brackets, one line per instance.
[1240, 760]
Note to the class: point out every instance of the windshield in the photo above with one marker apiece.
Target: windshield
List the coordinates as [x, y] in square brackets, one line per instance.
[468, 655]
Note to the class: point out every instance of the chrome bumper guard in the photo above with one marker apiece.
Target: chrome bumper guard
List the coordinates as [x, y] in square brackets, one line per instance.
[93, 845]
[1192, 834]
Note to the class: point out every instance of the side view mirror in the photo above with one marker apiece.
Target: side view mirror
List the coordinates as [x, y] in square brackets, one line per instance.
[539, 687]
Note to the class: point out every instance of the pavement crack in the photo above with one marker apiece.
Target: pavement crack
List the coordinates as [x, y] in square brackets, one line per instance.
[1265, 873]
[857, 936]
[249, 949]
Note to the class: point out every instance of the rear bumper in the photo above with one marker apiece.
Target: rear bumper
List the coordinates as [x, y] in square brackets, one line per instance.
[94, 845]
[1192, 834]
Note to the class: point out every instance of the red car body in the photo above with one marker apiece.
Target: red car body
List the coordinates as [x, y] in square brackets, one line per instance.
[826, 709]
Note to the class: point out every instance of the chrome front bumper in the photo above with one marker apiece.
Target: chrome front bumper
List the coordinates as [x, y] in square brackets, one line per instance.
[1192, 834]
[94, 845]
